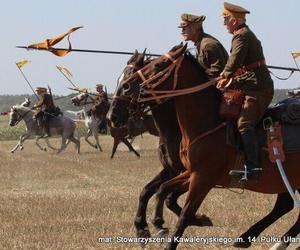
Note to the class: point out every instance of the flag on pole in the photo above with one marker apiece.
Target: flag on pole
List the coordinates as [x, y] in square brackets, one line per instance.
[52, 41]
[295, 54]
[21, 63]
[64, 70]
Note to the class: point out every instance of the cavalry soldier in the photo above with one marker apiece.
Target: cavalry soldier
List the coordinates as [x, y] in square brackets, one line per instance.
[45, 109]
[246, 70]
[101, 97]
[211, 54]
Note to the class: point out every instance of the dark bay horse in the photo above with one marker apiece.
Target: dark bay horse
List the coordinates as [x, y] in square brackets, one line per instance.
[169, 141]
[206, 157]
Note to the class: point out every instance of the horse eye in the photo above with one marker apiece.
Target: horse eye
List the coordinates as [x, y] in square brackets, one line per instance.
[126, 86]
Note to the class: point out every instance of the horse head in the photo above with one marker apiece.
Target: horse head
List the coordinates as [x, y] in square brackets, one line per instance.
[17, 113]
[293, 93]
[136, 62]
[81, 99]
[137, 85]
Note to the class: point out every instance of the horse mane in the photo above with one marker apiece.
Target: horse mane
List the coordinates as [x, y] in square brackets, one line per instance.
[195, 62]
[20, 107]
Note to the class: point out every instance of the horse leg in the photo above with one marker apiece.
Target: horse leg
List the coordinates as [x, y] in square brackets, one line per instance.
[175, 187]
[130, 147]
[76, 142]
[165, 189]
[148, 191]
[37, 138]
[87, 140]
[19, 144]
[284, 204]
[291, 233]
[63, 144]
[114, 149]
[199, 187]
[49, 145]
[95, 134]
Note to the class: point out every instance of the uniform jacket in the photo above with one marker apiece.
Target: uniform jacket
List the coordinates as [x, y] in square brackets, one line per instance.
[245, 50]
[212, 56]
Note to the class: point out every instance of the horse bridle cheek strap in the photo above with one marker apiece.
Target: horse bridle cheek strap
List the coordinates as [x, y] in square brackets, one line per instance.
[148, 88]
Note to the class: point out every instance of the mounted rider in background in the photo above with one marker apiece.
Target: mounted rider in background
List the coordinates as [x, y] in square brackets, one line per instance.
[45, 110]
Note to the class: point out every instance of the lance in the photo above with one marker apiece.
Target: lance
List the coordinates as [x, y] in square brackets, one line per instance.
[86, 51]
[82, 91]
[28, 82]
[132, 53]
[294, 58]
[66, 77]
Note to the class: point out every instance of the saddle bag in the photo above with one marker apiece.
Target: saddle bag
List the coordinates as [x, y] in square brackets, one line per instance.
[231, 104]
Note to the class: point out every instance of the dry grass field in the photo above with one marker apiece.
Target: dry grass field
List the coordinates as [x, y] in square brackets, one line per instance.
[69, 201]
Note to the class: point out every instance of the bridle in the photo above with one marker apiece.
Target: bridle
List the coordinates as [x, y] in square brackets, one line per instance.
[148, 86]
[85, 99]
[20, 116]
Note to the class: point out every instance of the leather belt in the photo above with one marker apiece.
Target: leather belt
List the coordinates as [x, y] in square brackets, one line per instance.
[249, 67]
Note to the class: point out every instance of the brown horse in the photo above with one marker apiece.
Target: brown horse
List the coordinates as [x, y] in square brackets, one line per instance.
[205, 155]
[169, 141]
[139, 126]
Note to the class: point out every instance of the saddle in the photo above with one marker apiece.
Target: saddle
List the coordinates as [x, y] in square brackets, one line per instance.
[287, 113]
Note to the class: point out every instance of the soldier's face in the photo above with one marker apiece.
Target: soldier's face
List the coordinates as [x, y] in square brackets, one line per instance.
[229, 22]
[190, 32]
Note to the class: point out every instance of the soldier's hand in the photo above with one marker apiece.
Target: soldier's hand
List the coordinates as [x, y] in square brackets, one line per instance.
[224, 83]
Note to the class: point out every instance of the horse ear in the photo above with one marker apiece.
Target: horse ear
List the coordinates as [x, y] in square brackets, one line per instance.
[136, 52]
[144, 52]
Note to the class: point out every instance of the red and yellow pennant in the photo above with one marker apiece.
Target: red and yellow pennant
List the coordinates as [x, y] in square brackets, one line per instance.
[51, 42]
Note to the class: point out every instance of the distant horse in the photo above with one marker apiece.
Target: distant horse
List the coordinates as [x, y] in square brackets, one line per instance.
[58, 125]
[205, 155]
[169, 141]
[294, 93]
[119, 134]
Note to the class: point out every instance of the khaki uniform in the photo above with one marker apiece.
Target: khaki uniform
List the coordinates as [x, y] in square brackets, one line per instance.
[212, 56]
[246, 49]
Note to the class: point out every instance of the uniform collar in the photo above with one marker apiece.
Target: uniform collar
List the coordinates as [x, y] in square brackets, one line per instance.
[200, 38]
[238, 29]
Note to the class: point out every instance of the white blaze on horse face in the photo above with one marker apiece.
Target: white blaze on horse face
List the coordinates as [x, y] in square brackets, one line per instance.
[120, 79]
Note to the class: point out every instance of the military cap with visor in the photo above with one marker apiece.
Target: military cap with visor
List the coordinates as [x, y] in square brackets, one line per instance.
[187, 19]
[234, 10]
[40, 89]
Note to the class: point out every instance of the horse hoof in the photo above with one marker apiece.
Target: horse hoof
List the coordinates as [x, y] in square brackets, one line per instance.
[12, 151]
[143, 233]
[243, 244]
[21, 148]
[202, 221]
[164, 232]
[95, 147]
[45, 149]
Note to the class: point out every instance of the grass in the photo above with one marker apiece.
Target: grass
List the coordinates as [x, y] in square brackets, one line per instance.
[69, 201]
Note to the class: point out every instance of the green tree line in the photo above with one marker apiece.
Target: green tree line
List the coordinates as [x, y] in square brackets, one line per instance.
[64, 102]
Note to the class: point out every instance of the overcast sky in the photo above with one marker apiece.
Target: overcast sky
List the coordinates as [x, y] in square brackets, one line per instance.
[126, 26]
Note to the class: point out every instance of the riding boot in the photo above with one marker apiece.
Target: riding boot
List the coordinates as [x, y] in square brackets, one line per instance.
[252, 169]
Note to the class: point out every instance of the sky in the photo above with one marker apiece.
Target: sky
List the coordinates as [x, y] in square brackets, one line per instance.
[125, 26]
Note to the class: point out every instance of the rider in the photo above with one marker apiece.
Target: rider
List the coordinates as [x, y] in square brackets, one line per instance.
[45, 109]
[246, 70]
[211, 55]
[101, 97]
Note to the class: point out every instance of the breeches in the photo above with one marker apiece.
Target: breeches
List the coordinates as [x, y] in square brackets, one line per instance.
[255, 104]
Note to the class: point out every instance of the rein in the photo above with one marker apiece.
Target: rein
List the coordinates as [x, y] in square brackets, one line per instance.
[157, 95]
[21, 117]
